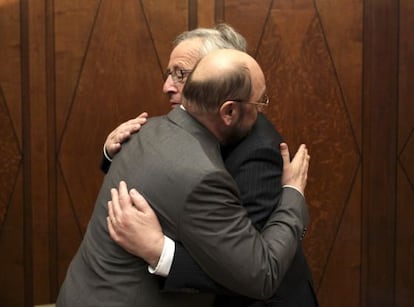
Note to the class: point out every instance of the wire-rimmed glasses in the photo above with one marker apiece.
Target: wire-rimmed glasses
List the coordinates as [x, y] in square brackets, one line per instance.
[263, 101]
[177, 75]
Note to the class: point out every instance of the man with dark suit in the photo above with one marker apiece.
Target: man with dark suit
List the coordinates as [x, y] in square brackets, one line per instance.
[256, 165]
[175, 162]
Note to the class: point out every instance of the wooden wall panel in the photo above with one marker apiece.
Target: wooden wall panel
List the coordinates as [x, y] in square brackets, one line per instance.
[404, 251]
[38, 142]
[404, 287]
[72, 70]
[249, 18]
[308, 105]
[12, 232]
[379, 151]
[120, 78]
[10, 52]
[341, 23]
[309, 108]
[206, 13]
[125, 58]
[164, 26]
[69, 231]
[120, 64]
[342, 27]
[10, 103]
[406, 73]
[71, 42]
[14, 288]
[341, 282]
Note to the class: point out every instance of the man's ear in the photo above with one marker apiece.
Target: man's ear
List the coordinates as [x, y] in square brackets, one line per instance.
[229, 112]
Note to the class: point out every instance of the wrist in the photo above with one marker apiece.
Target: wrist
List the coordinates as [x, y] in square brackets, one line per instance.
[156, 252]
[106, 154]
[163, 265]
[295, 188]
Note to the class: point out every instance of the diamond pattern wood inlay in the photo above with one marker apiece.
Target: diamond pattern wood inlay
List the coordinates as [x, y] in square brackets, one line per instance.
[9, 159]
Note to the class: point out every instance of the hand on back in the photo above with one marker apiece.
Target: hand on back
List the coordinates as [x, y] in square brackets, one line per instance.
[295, 172]
[133, 225]
[122, 133]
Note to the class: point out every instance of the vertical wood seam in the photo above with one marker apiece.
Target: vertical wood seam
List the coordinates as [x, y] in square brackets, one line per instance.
[26, 143]
[51, 146]
[379, 176]
[192, 14]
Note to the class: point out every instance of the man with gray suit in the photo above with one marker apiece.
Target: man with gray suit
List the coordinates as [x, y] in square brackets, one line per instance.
[175, 163]
[255, 163]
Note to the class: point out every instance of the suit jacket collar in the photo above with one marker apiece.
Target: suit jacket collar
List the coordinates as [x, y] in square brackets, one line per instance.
[184, 119]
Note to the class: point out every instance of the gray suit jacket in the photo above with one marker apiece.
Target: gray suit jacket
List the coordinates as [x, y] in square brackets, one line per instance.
[175, 163]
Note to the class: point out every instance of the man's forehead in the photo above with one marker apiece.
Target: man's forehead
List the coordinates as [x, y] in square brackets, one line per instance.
[185, 55]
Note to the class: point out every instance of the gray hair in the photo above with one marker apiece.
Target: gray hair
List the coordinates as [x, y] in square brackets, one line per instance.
[222, 36]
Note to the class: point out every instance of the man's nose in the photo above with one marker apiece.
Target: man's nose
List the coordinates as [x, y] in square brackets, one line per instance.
[169, 85]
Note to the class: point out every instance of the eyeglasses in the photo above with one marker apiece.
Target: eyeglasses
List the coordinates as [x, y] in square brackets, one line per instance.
[264, 101]
[177, 75]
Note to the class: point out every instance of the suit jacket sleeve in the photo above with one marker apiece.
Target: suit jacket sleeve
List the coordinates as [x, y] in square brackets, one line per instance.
[258, 177]
[228, 248]
[105, 164]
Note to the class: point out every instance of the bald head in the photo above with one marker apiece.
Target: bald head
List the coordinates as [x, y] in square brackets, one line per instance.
[220, 76]
[220, 62]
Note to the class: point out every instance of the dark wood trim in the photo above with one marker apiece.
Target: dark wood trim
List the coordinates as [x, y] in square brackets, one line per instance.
[219, 11]
[380, 106]
[51, 147]
[192, 14]
[26, 144]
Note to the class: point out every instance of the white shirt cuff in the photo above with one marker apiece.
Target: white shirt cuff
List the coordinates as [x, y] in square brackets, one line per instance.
[167, 256]
[293, 187]
[106, 154]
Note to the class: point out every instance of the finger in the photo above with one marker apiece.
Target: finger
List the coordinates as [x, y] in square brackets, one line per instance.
[121, 134]
[125, 128]
[300, 154]
[302, 159]
[143, 115]
[139, 201]
[306, 156]
[112, 232]
[112, 149]
[135, 128]
[124, 199]
[121, 138]
[284, 151]
[115, 209]
[129, 128]
[142, 118]
[111, 210]
[135, 121]
[129, 125]
[307, 164]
